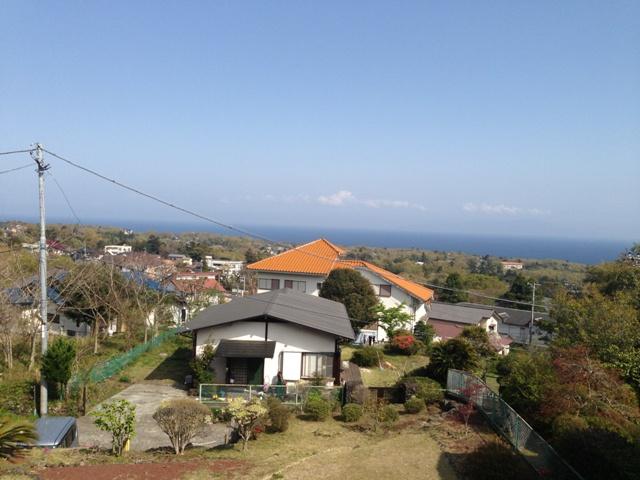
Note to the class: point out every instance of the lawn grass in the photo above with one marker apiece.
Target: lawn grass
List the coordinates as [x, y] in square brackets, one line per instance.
[395, 367]
[318, 450]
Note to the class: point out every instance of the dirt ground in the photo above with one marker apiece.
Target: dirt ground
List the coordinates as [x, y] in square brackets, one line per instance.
[142, 471]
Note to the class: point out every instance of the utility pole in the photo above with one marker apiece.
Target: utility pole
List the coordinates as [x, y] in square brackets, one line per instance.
[533, 307]
[38, 157]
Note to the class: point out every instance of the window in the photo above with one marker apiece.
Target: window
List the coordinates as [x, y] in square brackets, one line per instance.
[268, 283]
[296, 285]
[317, 364]
[382, 290]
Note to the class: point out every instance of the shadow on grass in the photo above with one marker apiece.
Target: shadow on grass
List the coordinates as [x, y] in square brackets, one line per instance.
[174, 368]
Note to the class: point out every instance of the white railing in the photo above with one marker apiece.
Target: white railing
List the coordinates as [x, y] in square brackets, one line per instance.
[290, 394]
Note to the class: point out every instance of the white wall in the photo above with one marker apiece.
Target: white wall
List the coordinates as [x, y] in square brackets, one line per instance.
[490, 324]
[288, 337]
[413, 307]
[311, 281]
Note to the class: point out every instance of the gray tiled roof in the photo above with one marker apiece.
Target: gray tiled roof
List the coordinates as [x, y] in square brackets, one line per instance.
[284, 304]
[511, 316]
[458, 313]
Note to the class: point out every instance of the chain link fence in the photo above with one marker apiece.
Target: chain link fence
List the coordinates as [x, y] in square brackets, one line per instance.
[506, 421]
[109, 368]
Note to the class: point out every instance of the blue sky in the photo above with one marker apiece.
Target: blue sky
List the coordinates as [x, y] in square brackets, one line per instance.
[494, 117]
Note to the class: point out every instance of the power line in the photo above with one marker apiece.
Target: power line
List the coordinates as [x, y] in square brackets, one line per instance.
[17, 151]
[164, 202]
[470, 292]
[240, 230]
[66, 199]
[2, 172]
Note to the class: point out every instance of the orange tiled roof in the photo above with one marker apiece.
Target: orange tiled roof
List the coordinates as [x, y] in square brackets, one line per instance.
[318, 257]
[321, 256]
[415, 289]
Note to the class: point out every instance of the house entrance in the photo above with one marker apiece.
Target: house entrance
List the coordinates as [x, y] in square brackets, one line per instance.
[247, 371]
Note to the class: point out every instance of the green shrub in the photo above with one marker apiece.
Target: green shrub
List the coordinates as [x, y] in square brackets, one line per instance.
[351, 412]
[387, 414]
[118, 417]
[278, 415]
[317, 408]
[201, 365]
[58, 362]
[414, 405]
[426, 389]
[124, 379]
[181, 419]
[367, 356]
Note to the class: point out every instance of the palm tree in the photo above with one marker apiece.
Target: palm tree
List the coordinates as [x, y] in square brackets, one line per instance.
[13, 435]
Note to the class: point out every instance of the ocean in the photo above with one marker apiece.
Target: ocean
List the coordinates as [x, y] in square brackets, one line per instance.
[589, 251]
[572, 250]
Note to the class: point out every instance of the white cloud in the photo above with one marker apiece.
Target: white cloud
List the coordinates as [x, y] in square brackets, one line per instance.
[344, 197]
[501, 209]
[336, 199]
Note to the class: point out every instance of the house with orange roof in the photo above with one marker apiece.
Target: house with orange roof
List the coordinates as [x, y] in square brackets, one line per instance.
[305, 267]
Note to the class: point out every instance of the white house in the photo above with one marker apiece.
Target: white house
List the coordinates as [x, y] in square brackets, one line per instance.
[228, 267]
[287, 331]
[511, 265]
[117, 249]
[304, 268]
[449, 320]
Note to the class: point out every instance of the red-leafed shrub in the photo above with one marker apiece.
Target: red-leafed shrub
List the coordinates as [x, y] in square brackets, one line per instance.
[405, 344]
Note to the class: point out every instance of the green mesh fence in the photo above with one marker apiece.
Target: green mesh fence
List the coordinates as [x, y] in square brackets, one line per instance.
[109, 368]
[506, 421]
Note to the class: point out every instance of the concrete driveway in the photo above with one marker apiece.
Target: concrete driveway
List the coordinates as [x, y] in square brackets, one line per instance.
[147, 398]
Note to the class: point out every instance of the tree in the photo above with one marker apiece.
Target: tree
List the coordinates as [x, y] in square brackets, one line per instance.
[350, 288]
[201, 365]
[583, 386]
[9, 327]
[245, 415]
[392, 319]
[95, 293]
[181, 420]
[424, 332]
[523, 379]
[455, 283]
[153, 244]
[117, 417]
[608, 325]
[58, 361]
[520, 290]
[455, 353]
[479, 340]
[13, 435]
[467, 408]
[251, 256]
